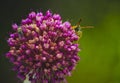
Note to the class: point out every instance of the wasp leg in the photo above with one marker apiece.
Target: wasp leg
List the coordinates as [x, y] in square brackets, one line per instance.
[79, 33]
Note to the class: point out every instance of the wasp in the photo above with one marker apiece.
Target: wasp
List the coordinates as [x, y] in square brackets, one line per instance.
[78, 28]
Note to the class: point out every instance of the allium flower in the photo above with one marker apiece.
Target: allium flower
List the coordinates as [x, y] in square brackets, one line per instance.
[42, 48]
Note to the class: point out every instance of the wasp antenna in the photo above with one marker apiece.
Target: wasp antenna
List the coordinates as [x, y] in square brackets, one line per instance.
[70, 20]
[80, 20]
[78, 24]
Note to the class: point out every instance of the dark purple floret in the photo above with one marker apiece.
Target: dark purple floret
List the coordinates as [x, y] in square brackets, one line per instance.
[43, 48]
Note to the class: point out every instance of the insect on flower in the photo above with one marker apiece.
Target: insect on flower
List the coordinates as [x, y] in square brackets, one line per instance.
[43, 48]
[78, 28]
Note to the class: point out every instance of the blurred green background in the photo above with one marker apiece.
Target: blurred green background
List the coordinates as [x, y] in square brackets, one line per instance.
[100, 47]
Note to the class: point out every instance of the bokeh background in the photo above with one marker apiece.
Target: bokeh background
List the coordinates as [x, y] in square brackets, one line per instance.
[100, 47]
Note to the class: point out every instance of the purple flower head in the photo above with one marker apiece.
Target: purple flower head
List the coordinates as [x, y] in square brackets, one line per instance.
[43, 48]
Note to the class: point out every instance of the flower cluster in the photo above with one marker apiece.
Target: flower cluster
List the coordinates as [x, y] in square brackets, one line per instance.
[43, 48]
